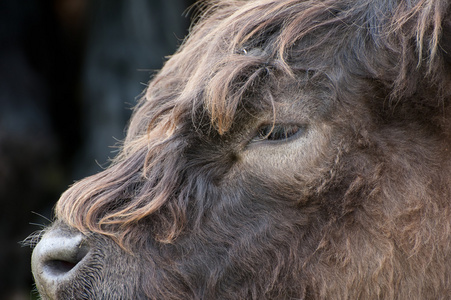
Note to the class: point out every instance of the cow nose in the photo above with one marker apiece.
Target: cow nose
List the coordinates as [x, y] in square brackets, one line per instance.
[56, 259]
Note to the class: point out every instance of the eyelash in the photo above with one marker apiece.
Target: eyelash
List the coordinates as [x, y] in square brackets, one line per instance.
[277, 132]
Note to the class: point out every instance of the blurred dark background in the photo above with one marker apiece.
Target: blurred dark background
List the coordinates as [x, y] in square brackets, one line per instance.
[70, 72]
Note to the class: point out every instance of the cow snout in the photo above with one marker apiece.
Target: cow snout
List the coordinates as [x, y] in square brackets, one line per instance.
[56, 258]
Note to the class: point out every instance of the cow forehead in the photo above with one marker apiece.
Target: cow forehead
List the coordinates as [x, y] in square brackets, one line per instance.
[298, 100]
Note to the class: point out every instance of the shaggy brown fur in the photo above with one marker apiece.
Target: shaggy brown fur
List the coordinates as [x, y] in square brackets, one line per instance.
[289, 150]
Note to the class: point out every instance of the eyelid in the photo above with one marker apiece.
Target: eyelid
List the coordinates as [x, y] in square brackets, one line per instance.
[281, 132]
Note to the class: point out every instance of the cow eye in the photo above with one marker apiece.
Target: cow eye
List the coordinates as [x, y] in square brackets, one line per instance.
[277, 132]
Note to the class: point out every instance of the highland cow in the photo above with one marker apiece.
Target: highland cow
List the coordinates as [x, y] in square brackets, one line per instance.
[290, 149]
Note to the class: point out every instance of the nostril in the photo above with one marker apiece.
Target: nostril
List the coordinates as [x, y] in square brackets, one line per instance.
[59, 259]
[60, 266]
[56, 258]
